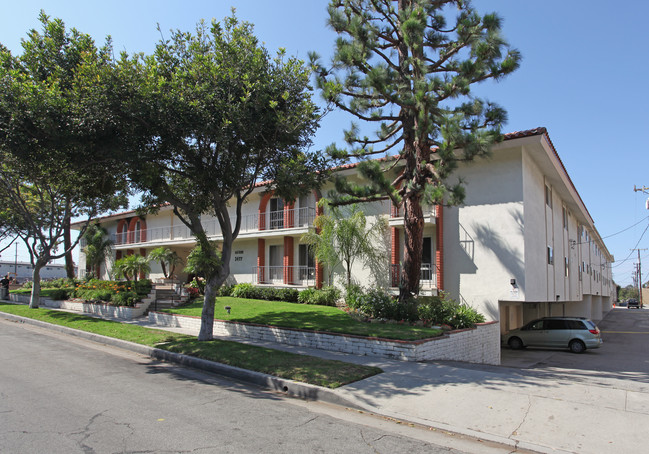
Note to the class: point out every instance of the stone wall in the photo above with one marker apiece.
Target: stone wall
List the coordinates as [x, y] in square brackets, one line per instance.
[102, 310]
[480, 345]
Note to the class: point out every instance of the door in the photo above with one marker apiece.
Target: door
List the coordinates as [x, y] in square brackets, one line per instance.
[276, 262]
[427, 260]
[276, 213]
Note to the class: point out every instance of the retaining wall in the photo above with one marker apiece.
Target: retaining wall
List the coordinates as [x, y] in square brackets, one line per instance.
[102, 310]
[480, 345]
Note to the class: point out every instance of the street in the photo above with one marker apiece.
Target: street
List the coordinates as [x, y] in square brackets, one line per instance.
[64, 395]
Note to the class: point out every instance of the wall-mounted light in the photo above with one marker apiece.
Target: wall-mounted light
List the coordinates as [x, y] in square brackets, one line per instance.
[513, 282]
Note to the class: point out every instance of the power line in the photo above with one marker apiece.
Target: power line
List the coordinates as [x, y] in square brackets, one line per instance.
[634, 248]
[628, 228]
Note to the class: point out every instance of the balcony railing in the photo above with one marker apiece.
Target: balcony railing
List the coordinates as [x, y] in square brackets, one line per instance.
[428, 210]
[289, 275]
[427, 277]
[271, 220]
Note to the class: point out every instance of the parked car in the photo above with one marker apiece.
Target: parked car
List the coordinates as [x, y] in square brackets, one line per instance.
[574, 333]
[622, 303]
[633, 303]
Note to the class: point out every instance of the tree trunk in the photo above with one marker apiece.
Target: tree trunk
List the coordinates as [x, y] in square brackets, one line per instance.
[413, 240]
[212, 284]
[67, 243]
[35, 299]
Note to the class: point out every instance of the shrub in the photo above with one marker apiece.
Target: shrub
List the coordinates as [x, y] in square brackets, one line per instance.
[127, 298]
[353, 296]
[225, 290]
[249, 291]
[143, 287]
[442, 310]
[58, 283]
[466, 317]
[59, 294]
[243, 290]
[327, 296]
[377, 303]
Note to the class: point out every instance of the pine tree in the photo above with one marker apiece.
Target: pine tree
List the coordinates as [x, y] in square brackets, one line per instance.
[409, 66]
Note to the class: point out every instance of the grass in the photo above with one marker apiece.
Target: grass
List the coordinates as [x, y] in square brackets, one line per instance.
[45, 292]
[304, 316]
[303, 368]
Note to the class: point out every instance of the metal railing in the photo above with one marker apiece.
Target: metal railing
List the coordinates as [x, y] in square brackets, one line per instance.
[428, 210]
[290, 275]
[271, 220]
[427, 276]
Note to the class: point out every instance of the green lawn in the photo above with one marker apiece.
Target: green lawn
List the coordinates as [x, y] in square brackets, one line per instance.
[304, 316]
[307, 369]
[45, 292]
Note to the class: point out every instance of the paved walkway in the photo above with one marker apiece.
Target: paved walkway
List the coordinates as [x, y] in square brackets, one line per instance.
[549, 410]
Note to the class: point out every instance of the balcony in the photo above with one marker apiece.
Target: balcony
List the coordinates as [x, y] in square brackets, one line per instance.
[287, 275]
[269, 221]
[429, 212]
[427, 277]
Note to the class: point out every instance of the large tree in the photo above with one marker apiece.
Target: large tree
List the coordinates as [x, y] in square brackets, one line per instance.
[57, 139]
[409, 66]
[211, 114]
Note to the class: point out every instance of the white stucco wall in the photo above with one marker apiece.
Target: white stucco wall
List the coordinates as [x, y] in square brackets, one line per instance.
[484, 238]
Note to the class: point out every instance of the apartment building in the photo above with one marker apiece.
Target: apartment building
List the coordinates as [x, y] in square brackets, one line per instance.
[522, 245]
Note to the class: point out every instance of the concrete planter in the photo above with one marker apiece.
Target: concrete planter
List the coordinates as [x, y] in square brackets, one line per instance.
[480, 345]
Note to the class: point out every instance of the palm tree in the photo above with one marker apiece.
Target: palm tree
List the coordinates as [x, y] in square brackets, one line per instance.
[167, 258]
[98, 248]
[132, 266]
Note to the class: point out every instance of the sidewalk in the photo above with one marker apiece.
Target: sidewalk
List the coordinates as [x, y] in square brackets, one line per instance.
[537, 410]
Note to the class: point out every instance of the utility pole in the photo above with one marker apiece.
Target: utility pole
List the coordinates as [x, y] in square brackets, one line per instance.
[639, 274]
[644, 190]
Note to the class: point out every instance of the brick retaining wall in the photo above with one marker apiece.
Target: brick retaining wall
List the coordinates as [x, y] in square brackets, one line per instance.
[480, 345]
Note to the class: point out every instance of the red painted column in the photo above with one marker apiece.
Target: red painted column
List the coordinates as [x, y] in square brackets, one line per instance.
[395, 255]
[288, 259]
[261, 260]
[439, 251]
[289, 215]
[263, 203]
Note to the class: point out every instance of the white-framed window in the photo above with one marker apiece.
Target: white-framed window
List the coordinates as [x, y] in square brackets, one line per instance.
[548, 196]
[550, 256]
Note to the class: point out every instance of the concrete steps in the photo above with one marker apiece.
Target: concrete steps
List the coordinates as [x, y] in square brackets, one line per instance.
[164, 296]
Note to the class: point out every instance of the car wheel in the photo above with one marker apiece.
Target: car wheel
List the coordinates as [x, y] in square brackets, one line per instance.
[515, 343]
[577, 346]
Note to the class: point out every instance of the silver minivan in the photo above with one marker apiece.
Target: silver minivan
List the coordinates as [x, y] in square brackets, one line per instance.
[574, 333]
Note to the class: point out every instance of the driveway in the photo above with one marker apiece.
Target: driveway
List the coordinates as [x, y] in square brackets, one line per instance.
[624, 353]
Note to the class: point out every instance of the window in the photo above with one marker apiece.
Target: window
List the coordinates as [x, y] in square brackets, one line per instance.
[565, 266]
[427, 259]
[548, 196]
[550, 256]
[555, 324]
[564, 213]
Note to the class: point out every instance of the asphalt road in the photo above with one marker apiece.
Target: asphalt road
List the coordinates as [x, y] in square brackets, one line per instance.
[65, 395]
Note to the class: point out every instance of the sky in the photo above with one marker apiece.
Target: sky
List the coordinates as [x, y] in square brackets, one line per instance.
[583, 77]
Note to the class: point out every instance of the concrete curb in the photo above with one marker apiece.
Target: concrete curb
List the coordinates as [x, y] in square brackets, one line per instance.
[289, 387]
